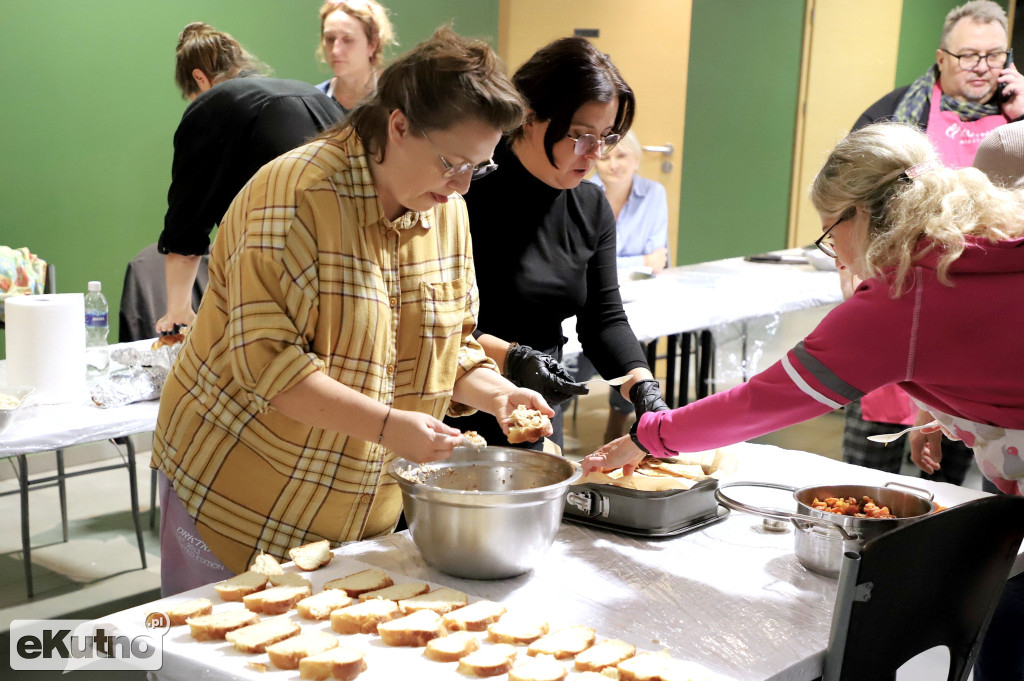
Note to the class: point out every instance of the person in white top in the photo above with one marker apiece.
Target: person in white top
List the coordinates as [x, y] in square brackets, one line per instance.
[353, 35]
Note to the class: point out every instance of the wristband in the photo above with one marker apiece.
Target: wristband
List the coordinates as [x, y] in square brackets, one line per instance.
[636, 440]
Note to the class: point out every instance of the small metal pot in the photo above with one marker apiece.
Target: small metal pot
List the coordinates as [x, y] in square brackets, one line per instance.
[821, 537]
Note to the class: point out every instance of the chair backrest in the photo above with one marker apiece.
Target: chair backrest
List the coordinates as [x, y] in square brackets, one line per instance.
[931, 583]
[144, 296]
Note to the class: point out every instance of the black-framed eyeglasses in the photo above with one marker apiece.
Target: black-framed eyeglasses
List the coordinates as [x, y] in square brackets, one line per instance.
[970, 60]
[451, 170]
[825, 243]
[585, 144]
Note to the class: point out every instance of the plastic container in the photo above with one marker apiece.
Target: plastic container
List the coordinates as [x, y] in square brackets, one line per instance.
[97, 326]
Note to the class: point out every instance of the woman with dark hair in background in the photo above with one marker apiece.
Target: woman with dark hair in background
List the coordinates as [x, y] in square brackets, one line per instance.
[353, 35]
[544, 243]
[337, 327]
[237, 121]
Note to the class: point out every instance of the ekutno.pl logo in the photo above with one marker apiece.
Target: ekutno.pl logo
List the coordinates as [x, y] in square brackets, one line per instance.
[88, 645]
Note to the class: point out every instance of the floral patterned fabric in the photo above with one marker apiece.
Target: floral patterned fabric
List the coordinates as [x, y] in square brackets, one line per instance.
[21, 273]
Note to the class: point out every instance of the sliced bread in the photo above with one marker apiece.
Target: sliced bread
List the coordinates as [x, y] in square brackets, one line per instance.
[240, 586]
[650, 667]
[361, 582]
[216, 626]
[256, 637]
[397, 592]
[320, 606]
[540, 668]
[474, 617]
[441, 601]
[342, 662]
[276, 600]
[489, 661]
[181, 612]
[364, 617]
[266, 564]
[517, 630]
[290, 579]
[607, 653]
[452, 648]
[312, 556]
[288, 653]
[412, 630]
[564, 643]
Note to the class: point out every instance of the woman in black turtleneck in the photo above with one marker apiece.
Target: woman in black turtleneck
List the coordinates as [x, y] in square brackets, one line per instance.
[544, 244]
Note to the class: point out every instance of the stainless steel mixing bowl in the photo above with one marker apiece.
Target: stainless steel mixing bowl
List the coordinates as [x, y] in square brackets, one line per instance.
[484, 514]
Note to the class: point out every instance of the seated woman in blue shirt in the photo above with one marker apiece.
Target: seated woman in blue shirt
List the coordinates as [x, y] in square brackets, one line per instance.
[641, 235]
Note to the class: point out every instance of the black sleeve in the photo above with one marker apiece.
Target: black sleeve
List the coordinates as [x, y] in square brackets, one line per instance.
[884, 109]
[604, 331]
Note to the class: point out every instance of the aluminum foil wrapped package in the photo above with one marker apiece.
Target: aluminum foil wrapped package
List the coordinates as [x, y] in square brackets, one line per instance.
[133, 357]
[134, 384]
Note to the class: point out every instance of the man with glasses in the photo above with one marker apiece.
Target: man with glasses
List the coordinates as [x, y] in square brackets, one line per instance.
[972, 89]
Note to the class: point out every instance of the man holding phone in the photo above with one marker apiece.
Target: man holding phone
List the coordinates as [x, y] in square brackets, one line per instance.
[972, 89]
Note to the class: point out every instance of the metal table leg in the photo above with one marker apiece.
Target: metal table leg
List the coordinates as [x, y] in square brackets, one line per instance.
[26, 539]
[63, 492]
[133, 485]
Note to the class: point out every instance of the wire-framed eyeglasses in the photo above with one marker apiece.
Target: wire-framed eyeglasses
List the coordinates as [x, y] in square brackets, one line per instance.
[826, 242]
[451, 170]
[586, 144]
[970, 60]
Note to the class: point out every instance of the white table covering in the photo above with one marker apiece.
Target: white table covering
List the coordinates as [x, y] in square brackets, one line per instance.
[731, 598]
[41, 428]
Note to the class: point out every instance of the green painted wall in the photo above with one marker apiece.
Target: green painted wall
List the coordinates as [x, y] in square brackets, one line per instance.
[90, 108]
[741, 99]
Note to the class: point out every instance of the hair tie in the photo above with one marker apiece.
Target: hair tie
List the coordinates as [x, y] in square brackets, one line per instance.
[921, 168]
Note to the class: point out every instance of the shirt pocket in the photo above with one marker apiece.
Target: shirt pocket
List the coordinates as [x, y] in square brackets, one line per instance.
[442, 312]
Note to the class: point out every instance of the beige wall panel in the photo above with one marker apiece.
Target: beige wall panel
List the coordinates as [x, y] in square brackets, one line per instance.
[850, 50]
[649, 42]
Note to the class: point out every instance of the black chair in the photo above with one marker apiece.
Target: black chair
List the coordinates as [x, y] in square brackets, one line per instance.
[933, 583]
[143, 302]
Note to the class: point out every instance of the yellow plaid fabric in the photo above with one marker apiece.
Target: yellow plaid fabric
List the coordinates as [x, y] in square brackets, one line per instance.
[308, 275]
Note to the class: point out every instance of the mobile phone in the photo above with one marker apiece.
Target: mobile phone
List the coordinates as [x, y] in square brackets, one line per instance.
[1000, 97]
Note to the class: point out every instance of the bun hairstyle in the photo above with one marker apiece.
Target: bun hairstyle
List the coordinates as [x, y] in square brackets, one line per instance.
[439, 83]
[868, 169]
[218, 55]
[563, 76]
[374, 18]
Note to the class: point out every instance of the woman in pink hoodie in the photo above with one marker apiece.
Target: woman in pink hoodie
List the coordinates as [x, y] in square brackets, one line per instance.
[941, 255]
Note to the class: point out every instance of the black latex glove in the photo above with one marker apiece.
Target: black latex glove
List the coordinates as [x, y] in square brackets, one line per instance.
[528, 368]
[646, 396]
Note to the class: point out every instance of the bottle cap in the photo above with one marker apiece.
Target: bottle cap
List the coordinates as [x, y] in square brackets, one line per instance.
[95, 286]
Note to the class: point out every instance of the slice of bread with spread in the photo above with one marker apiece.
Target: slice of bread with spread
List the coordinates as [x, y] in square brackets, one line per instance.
[364, 617]
[441, 601]
[361, 582]
[413, 630]
[216, 626]
[452, 648]
[320, 606]
[178, 614]
[517, 629]
[342, 662]
[565, 642]
[241, 585]
[489, 661]
[288, 653]
[397, 592]
[312, 556]
[607, 653]
[276, 600]
[474, 617]
[256, 637]
[541, 668]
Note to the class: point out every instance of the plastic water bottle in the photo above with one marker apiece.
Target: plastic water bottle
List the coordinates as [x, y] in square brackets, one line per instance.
[96, 328]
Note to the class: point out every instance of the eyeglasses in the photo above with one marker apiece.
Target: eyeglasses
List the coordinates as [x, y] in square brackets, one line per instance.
[450, 170]
[825, 243]
[585, 144]
[970, 60]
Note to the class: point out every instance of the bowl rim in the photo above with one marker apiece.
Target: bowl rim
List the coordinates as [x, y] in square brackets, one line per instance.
[409, 485]
[20, 392]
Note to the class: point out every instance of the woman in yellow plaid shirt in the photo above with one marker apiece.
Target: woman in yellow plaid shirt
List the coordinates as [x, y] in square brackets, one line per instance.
[337, 328]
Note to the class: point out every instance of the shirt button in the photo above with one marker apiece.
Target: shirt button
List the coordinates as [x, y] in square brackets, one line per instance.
[365, 498]
[391, 368]
[393, 301]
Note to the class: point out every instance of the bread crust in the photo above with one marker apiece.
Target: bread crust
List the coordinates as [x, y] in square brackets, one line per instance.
[320, 606]
[312, 556]
[414, 630]
[288, 653]
[241, 585]
[363, 617]
[178, 614]
[255, 638]
[517, 630]
[216, 626]
[452, 648]
[168, 339]
[528, 425]
[276, 600]
[489, 661]
[342, 662]
[474, 617]
[361, 582]
[441, 601]
[397, 592]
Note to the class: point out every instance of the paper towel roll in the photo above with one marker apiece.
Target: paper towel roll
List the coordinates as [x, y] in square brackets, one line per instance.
[46, 345]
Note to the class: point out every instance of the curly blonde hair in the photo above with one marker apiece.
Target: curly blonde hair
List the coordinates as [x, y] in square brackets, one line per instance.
[867, 169]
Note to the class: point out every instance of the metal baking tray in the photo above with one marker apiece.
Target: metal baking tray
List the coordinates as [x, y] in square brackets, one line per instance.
[637, 512]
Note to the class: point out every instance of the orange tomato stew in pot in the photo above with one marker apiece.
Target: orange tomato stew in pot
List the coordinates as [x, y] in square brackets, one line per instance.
[865, 508]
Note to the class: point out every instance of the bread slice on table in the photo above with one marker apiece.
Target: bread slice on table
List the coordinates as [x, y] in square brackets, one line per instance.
[564, 642]
[256, 637]
[650, 667]
[397, 592]
[361, 582]
[412, 630]
[216, 626]
[474, 617]
[320, 606]
[290, 579]
[288, 653]
[527, 425]
[441, 601]
[266, 564]
[452, 648]
[180, 612]
[607, 653]
[312, 556]
[489, 661]
[364, 617]
[343, 662]
[241, 585]
[276, 600]
[517, 630]
[540, 668]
